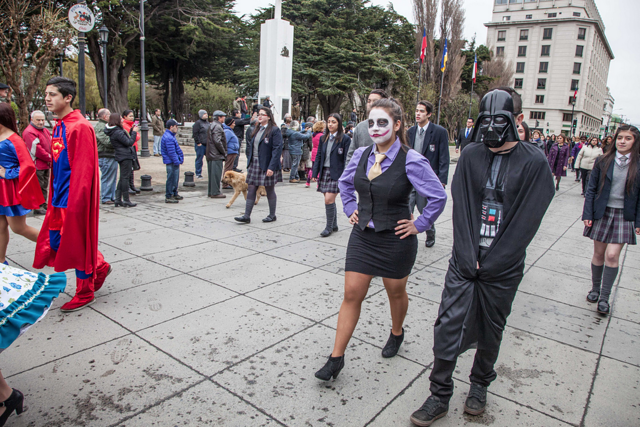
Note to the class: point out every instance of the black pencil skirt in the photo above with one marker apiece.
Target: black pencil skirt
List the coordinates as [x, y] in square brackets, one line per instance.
[381, 254]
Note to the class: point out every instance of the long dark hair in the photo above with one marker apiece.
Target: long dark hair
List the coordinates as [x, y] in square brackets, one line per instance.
[115, 120]
[527, 131]
[609, 156]
[394, 109]
[270, 126]
[125, 113]
[339, 134]
[8, 117]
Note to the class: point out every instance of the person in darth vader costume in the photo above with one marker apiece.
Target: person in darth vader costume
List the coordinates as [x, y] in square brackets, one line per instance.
[501, 190]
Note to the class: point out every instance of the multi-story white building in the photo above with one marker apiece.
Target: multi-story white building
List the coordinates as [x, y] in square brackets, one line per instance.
[607, 111]
[557, 47]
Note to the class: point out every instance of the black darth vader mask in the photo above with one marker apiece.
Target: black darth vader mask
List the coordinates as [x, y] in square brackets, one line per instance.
[496, 124]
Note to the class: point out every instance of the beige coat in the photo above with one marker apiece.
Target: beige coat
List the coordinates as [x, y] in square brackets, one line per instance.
[587, 157]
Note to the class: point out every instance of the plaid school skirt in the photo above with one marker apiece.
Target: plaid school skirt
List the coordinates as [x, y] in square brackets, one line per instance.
[326, 184]
[256, 176]
[612, 228]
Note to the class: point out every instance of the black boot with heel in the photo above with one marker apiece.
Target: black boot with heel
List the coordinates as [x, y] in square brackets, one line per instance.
[15, 402]
[331, 369]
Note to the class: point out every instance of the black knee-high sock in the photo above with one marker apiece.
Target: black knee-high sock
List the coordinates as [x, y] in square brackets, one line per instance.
[609, 276]
[335, 216]
[251, 200]
[272, 199]
[596, 276]
[330, 211]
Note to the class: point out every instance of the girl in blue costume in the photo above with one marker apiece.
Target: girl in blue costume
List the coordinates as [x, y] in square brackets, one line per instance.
[24, 297]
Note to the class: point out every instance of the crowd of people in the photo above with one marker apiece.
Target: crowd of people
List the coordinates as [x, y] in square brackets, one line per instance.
[501, 189]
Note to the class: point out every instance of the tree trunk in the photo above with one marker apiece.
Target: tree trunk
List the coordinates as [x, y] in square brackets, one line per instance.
[330, 103]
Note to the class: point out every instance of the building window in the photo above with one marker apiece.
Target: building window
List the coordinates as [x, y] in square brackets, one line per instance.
[546, 50]
[520, 67]
[566, 117]
[572, 100]
[529, 17]
[539, 99]
[537, 115]
[502, 35]
[582, 33]
[542, 83]
[518, 84]
[544, 67]
[524, 34]
[552, 15]
[574, 84]
[506, 18]
[576, 14]
[547, 34]
[501, 1]
[579, 51]
[576, 67]
[500, 51]
[522, 51]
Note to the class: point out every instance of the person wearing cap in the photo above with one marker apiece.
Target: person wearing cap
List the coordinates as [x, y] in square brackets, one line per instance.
[5, 93]
[172, 157]
[233, 145]
[216, 154]
[200, 128]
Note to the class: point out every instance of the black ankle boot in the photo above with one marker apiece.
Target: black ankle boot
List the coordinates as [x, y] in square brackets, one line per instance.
[331, 369]
[393, 345]
[13, 403]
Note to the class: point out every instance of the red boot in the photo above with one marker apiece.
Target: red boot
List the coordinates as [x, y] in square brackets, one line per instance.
[102, 271]
[84, 296]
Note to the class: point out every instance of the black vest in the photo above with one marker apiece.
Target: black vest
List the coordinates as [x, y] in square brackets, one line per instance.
[386, 198]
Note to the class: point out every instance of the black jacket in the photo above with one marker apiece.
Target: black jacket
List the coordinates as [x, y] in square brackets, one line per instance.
[338, 157]
[239, 129]
[269, 150]
[461, 140]
[122, 143]
[435, 149]
[595, 201]
[200, 129]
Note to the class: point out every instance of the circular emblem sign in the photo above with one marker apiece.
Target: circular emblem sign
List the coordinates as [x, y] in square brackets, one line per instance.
[81, 18]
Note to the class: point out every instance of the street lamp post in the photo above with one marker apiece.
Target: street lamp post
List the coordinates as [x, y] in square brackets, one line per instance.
[61, 60]
[144, 125]
[170, 97]
[104, 39]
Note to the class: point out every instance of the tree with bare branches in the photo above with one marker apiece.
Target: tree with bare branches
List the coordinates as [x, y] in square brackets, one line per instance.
[33, 33]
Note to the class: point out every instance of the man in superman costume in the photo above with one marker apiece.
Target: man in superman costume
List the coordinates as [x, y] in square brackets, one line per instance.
[69, 234]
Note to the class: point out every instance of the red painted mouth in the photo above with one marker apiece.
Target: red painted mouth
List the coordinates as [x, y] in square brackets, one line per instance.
[377, 135]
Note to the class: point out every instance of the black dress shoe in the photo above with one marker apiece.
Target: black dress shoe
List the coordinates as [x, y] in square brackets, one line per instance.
[603, 307]
[431, 410]
[269, 219]
[326, 232]
[331, 369]
[476, 400]
[244, 219]
[431, 239]
[393, 345]
[129, 204]
[593, 297]
[15, 402]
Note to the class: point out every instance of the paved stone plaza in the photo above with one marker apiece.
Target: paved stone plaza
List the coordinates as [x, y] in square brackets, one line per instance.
[208, 322]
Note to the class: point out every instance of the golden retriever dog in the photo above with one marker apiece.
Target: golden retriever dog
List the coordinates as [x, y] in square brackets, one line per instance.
[239, 183]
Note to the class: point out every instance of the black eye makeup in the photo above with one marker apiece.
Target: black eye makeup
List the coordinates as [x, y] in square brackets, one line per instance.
[383, 123]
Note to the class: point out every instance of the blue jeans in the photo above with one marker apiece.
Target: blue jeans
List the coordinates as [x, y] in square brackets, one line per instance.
[157, 149]
[173, 176]
[109, 170]
[295, 162]
[200, 152]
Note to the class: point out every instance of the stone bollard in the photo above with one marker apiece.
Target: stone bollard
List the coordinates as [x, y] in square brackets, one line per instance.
[188, 179]
[146, 183]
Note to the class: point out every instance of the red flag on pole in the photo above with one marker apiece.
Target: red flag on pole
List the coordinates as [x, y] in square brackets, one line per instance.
[423, 49]
[475, 68]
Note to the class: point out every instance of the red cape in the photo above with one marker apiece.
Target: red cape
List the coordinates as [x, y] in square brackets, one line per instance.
[25, 190]
[79, 243]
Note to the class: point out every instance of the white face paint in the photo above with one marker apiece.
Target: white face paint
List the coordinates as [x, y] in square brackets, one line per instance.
[380, 125]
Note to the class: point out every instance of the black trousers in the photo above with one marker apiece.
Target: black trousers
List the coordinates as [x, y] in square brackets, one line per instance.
[482, 373]
[585, 174]
[122, 190]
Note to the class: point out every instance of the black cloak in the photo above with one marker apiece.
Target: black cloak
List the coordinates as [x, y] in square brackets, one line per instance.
[476, 302]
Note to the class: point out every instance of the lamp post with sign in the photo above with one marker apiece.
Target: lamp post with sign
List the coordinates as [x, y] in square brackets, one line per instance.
[144, 124]
[104, 39]
[81, 18]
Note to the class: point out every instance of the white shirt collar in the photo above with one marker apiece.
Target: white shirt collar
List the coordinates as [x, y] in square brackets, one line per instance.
[619, 156]
[333, 135]
[425, 126]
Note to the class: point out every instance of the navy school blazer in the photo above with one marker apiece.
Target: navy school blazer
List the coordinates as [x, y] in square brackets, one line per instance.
[269, 150]
[435, 148]
[338, 157]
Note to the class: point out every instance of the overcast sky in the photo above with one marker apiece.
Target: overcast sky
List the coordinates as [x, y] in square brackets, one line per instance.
[622, 31]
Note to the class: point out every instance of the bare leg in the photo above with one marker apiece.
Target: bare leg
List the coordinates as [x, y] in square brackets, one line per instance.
[330, 198]
[4, 238]
[612, 254]
[398, 302]
[5, 392]
[599, 250]
[356, 286]
[19, 226]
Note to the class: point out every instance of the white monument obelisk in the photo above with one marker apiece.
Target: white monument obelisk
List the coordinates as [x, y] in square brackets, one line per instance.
[276, 63]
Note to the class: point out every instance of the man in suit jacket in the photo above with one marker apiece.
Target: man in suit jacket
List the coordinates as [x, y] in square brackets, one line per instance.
[432, 141]
[464, 136]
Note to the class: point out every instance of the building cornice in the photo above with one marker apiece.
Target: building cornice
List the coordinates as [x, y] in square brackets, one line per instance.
[593, 22]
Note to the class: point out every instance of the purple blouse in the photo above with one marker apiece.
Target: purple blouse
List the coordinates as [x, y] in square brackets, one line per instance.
[419, 172]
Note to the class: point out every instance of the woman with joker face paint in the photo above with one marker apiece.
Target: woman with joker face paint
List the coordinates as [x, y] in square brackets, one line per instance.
[383, 241]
